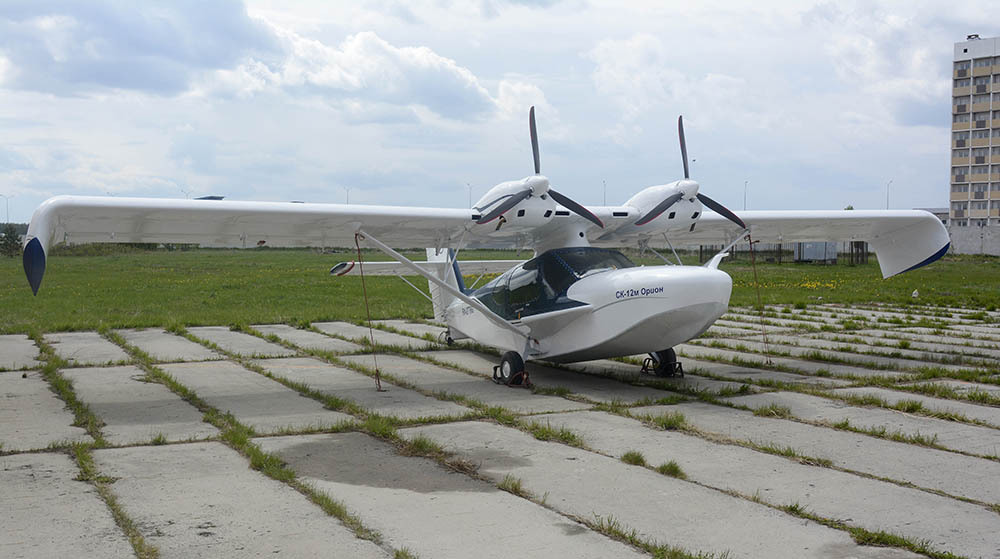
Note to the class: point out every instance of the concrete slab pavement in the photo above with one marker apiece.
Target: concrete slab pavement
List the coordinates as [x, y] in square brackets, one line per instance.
[592, 387]
[31, 416]
[639, 498]
[415, 329]
[265, 405]
[361, 333]
[417, 504]
[951, 473]
[164, 346]
[629, 371]
[307, 339]
[814, 367]
[86, 348]
[948, 524]
[395, 401]
[974, 439]
[239, 343]
[428, 376]
[986, 414]
[201, 500]
[18, 351]
[46, 512]
[133, 410]
[739, 374]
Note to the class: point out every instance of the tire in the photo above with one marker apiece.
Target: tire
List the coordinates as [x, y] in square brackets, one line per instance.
[510, 365]
[665, 360]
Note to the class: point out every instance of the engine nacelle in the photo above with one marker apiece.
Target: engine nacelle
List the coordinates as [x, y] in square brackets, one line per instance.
[679, 216]
[530, 213]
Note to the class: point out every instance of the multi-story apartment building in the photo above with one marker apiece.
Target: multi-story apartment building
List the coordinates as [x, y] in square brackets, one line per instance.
[975, 133]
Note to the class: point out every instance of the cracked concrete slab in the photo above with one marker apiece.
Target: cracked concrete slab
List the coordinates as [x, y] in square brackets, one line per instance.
[361, 333]
[962, 386]
[990, 337]
[32, 416]
[856, 359]
[986, 414]
[344, 383]
[639, 498]
[48, 513]
[949, 472]
[740, 373]
[265, 405]
[135, 411]
[164, 346]
[899, 341]
[201, 500]
[598, 389]
[239, 343]
[928, 354]
[308, 339]
[86, 348]
[434, 512]
[631, 372]
[18, 351]
[436, 379]
[415, 329]
[948, 524]
[949, 434]
[814, 367]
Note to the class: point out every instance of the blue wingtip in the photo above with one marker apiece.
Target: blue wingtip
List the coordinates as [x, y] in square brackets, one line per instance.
[34, 264]
[937, 255]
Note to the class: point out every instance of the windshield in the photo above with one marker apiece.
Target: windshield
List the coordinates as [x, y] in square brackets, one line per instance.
[540, 284]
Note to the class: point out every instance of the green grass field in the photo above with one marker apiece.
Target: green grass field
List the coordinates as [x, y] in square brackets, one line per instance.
[123, 287]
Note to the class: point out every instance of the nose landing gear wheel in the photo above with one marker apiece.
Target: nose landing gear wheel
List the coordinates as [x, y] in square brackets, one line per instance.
[663, 364]
[511, 371]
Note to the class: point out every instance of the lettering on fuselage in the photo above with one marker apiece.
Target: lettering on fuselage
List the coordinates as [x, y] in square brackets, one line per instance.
[641, 292]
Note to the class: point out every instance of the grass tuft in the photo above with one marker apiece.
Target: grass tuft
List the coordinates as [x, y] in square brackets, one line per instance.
[773, 410]
[634, 457]
[670, 421]
[513, 485]
[672, 469]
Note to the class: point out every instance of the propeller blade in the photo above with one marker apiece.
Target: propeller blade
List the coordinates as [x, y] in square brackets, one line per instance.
[502, 208]
[576, 208]
[534, 139]
[721, 210]
[684, 147]
[660, 208]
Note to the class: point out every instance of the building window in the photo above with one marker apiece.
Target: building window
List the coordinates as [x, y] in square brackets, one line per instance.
[959, 171]
[980, 169]
[963, 135]
[995, 187]
[996, 77]
[981, 80]
[979, 134]
[962, 117]
[981, 116]
[980, 187]
[959, 188]
[995, 204]
[996, 132]
[996, 150]
[996, 168]
[996, 98]
[962, 100]
[980, 152]
[962, 65]
[982, 62]
[963, 82]
[959, 153]
[980, 205]
[959, 205]
[983, 98]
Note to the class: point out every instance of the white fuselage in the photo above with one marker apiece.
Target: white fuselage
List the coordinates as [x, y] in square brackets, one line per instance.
[622, 312]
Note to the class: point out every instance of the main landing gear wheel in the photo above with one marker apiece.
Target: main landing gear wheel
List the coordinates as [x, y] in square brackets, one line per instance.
[511, 371]
[663, 364]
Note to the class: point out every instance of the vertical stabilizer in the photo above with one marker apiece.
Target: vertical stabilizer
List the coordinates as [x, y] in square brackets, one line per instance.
[450, 274]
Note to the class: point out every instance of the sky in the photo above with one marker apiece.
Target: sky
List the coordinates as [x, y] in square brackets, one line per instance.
[797, 104]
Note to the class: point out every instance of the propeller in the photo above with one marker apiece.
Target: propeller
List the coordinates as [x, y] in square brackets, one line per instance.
[515, 199]
[673, 198]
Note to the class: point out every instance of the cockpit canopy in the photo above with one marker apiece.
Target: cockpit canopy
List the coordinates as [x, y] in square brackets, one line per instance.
[540, 284]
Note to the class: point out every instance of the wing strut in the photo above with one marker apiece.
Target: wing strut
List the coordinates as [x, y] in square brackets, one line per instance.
[471, 301]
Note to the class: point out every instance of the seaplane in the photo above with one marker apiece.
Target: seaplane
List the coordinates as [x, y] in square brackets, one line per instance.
[578, 298]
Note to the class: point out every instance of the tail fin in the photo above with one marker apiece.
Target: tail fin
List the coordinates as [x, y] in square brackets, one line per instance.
[450, 274]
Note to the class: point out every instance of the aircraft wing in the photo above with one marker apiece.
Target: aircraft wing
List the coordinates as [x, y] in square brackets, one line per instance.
[903, 239]
[221, 223]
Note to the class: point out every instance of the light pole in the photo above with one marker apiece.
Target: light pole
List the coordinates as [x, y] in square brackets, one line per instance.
[469, 186]
[887, 194]
[348, 190]
[745, 193]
